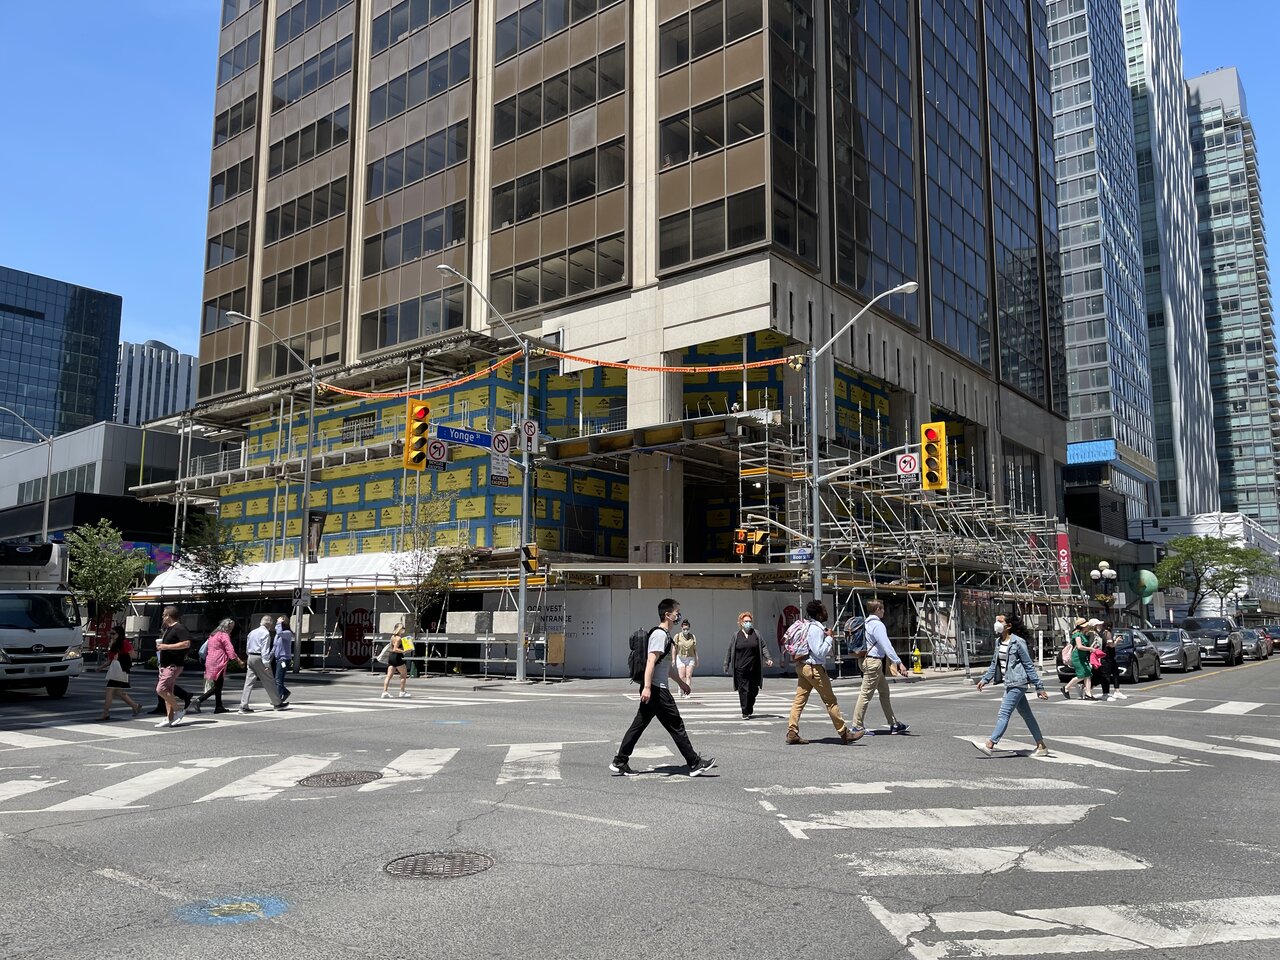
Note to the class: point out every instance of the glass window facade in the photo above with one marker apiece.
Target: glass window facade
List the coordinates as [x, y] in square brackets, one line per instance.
[58, 348]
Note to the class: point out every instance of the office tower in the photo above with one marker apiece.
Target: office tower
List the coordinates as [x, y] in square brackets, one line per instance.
[153, 380]
[57, 354]
[1109, 437]
[1237, 297]
[1183, 405]
[659, 184]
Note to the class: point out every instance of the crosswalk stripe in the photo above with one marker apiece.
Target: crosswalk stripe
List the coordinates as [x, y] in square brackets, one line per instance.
[1235, 708]
[1123, 749]
[964, 861]
[1160, 703]
[412, 765]
[1206, 747]
[531, 761]
[269, 781]
[942, 817]
[105, 730]
[885, 787]
[332, 708]
[27, 741]
[1253, 741]
[1055, 756]
[127, 793]
[20, 788]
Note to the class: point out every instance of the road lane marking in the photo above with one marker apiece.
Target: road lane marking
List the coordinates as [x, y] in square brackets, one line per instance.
[531, 761]
[20, 788]
[1159, 703]
[272, 780]
[105, 730]
[565, 814]
[1235, 708]
[884, 787]
[1252, 741]
[1055, 756]
[126, 794]
[1205, 676]
[26, 741]
[1206, 747]
[1124, 749]
[964, 861]
[941, 817]
[410, 766]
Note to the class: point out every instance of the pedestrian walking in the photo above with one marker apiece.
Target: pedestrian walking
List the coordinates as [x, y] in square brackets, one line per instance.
[1078, 659]
[686, 655]
[656, 700]
[880, 660]
[117, 665]
[1013, 666]
[219, 651]
[258, 660]
[1110, 664]
[1098, 659]
[747, 657]
[399, 647]
[282, 655]
[172, 654]
[811, 674]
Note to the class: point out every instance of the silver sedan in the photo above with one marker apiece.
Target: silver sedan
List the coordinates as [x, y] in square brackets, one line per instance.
[1177, 649]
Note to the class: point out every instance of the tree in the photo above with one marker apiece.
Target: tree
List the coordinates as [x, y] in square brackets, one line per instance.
[214, 560]
[102, 571]
[1211, 565]
[426, 568]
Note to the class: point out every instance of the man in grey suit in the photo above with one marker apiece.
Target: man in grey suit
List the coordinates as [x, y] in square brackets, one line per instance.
[258, 658]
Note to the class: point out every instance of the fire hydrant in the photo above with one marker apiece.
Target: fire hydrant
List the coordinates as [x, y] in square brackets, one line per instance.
[917, 664]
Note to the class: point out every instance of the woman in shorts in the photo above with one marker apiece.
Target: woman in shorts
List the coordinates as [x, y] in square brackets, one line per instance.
[118, 664]
[686, 654]
[400, 647]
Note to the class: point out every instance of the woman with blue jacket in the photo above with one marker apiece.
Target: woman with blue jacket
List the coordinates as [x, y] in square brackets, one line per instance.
[1018, 670]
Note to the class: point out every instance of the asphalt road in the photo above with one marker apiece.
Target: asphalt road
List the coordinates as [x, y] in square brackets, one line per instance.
[1151, 832]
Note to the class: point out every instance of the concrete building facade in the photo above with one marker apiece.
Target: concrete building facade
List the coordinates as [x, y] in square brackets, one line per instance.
[650, 185]
[1237, 297]
[1110, 441]
[153, 380]
[1179, 350]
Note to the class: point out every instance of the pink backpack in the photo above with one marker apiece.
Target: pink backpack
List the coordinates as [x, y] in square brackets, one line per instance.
[796, 640]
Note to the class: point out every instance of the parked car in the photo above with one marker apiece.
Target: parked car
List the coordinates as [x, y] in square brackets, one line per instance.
[1219, 638]
[1272, 630]
[1177, 649]
[1256, 644]
[1136, 656]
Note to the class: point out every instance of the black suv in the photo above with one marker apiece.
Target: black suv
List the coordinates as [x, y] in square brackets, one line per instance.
[1219, 638]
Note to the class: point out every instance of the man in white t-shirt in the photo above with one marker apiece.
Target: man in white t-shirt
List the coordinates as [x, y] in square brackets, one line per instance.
[656, 700]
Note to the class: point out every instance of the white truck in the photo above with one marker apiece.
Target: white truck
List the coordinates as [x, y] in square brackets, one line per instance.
[40, 633]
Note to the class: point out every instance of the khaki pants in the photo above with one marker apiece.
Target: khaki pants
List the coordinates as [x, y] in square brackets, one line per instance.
[808, 678]
[873, 681]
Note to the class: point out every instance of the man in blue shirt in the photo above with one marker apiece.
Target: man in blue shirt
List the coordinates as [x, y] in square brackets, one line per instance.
[880, 655]
[811, 674]
[258, 659]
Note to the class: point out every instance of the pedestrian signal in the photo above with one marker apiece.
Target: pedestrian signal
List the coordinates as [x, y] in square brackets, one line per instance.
[417, 422]
[748, 542]
[529, 557]
[933, 456]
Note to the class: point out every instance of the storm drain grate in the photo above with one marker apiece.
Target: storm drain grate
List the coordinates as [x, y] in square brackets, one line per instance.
[340, 778]
[440, 865]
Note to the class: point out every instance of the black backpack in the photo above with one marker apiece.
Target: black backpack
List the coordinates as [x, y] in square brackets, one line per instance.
[638, 654]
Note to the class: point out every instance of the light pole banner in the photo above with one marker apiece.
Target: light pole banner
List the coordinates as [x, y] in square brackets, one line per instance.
[1064, 562]
[315, 532]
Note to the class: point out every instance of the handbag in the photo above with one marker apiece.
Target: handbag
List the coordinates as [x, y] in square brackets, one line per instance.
[384, 655]
[116, 672]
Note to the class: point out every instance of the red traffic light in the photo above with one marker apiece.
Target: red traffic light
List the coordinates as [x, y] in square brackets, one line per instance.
[420, 412]
[932, 434]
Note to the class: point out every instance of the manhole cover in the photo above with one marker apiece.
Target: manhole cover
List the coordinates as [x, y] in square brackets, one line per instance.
[440, 865]
[340, 778]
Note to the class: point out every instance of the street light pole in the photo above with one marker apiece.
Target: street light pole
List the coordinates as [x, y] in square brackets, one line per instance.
[304, 502]
[48, 470]
[522, 590]
[815, 504]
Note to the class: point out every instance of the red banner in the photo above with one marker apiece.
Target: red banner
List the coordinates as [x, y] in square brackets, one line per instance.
[1064, 562]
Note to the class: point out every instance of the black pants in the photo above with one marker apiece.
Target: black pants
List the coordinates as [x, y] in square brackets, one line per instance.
[1103, 676]
[662, 706]
[1112, 670]
[215, 691]
[747, 691]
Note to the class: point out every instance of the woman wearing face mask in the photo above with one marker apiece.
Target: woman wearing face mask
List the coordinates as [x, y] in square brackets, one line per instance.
[1013, 665]
[747, 657]
[686, 654]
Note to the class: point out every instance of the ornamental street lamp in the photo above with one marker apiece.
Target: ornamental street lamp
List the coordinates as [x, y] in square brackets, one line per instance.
[815, 504]
[1104, 584]
[48, 470]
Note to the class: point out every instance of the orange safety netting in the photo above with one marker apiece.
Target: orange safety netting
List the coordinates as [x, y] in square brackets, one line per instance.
[591, 361]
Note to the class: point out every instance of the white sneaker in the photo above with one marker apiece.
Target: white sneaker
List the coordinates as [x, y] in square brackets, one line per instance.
[385, 695]
[177, 717]
[405, 695]
[164, 723]
[1113, 697]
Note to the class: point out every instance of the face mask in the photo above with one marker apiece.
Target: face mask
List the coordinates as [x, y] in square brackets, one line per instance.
[998, 627]
[746, 624]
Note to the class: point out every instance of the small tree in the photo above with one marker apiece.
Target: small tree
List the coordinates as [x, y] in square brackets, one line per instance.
[102, 571]
[1210, 565]
[426, 568]
[214, 560]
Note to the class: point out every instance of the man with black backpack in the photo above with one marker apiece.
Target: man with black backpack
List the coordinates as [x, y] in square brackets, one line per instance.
[651, 664]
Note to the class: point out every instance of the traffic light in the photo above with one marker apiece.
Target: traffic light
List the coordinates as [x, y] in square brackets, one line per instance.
[933, 456]
[417, 422]
[529, 557]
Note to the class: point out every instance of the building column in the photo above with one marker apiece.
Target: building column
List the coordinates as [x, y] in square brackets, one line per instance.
[656, 507]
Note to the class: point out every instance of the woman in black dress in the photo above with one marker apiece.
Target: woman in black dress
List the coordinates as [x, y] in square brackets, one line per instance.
[747, 657]
[118, 664]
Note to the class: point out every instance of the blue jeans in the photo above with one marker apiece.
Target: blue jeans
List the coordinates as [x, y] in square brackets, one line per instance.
[1015, 698]
[282, 670]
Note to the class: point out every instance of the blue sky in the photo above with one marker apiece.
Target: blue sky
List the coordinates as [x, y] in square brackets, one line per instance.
[107, 119]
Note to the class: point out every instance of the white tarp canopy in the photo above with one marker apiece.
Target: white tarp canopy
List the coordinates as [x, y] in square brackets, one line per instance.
[364, 571]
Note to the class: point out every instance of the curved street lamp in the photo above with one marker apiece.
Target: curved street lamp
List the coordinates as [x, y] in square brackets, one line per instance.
[48, 470]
